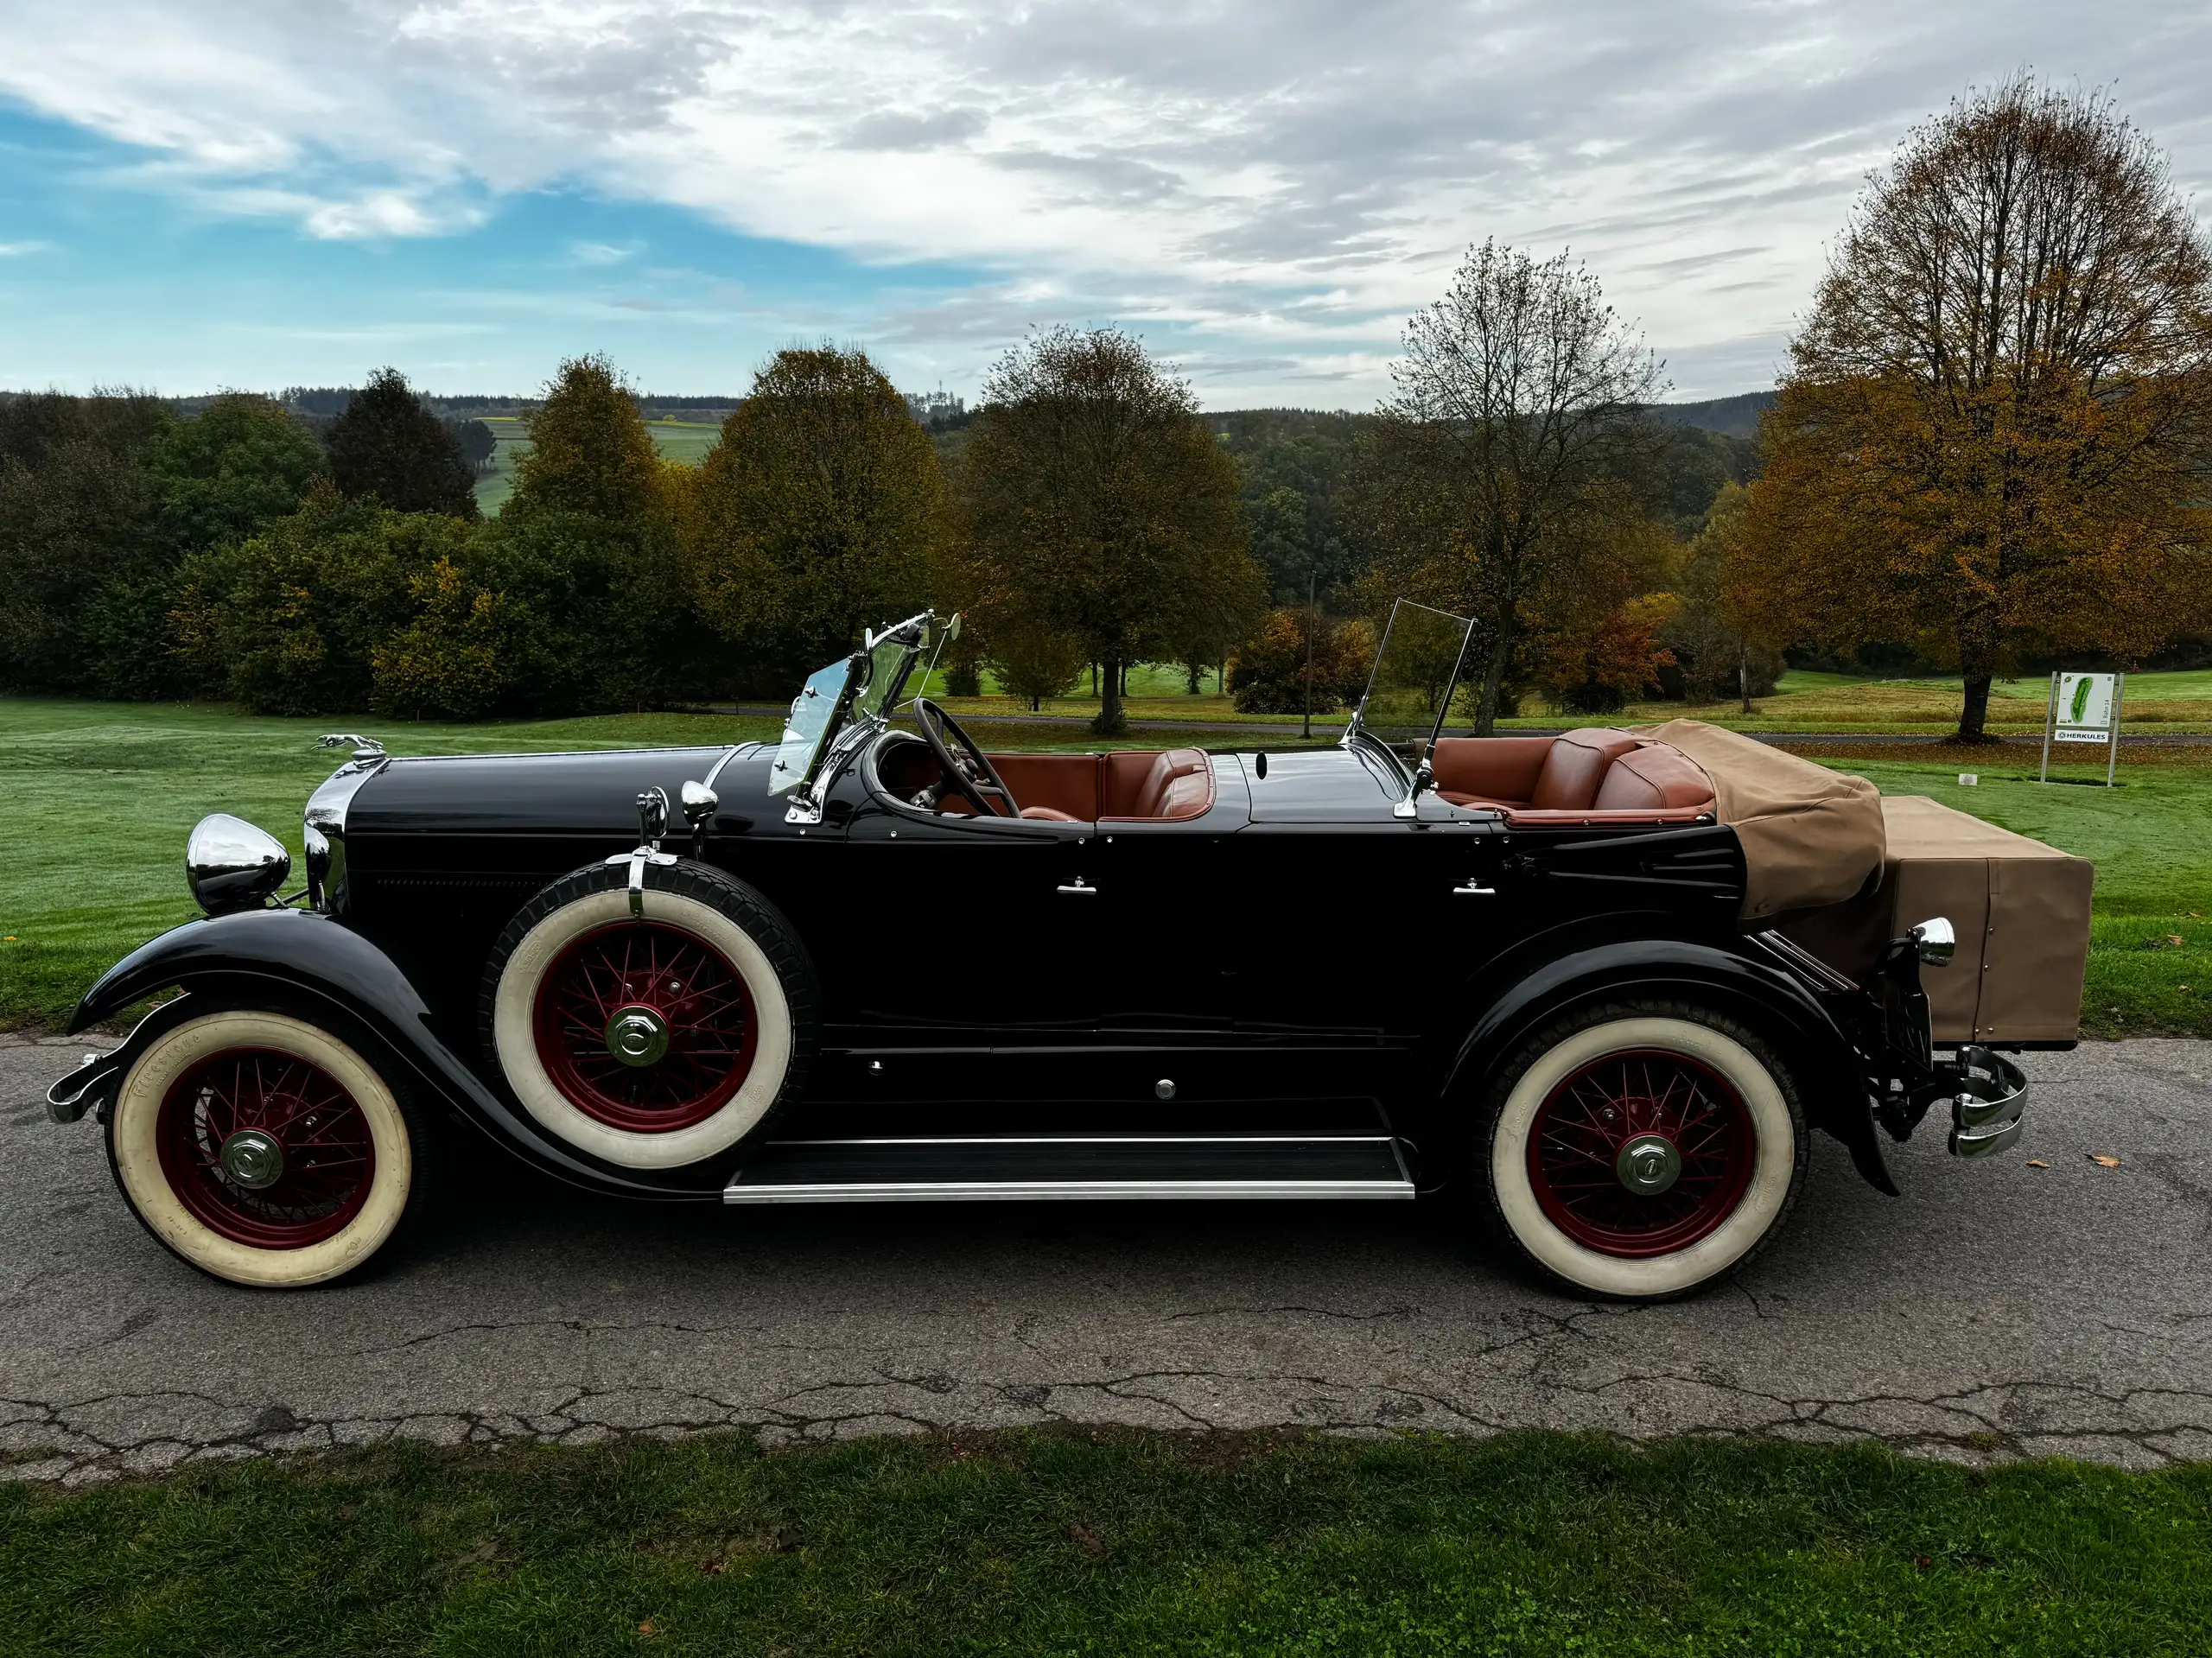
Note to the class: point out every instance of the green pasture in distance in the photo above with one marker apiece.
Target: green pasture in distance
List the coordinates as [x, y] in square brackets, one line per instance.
[1115, 1541]
[684, 440]
[96, 799]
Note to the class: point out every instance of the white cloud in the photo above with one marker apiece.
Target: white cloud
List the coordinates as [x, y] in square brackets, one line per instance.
[1294, 174]
[18, 250]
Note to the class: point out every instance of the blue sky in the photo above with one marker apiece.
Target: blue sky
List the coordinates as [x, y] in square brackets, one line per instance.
[257, 194]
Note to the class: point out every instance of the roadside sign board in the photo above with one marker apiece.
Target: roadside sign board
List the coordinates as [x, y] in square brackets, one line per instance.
[2084, 708]
[2082, 713]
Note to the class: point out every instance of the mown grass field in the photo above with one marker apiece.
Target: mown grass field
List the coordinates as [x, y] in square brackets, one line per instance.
[96, 800]
[684, 440]
[1114, 1543]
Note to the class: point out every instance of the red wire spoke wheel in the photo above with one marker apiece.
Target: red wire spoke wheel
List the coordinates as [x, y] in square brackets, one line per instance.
[1641, 1154]
[653, 1029]
[645, 1027]
[1641, 1149]
[265, 1148]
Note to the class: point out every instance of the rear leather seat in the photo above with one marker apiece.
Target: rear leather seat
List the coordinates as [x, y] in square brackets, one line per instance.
[1592, 773]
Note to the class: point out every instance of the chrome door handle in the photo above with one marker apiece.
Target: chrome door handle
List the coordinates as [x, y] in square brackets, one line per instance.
[1080, 886]
[1473, 889]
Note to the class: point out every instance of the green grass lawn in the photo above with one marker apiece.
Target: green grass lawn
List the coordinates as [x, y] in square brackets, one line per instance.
[96, 800]
[1114, 1543]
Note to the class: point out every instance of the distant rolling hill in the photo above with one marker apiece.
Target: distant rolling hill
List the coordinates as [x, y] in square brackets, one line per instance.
[1736, 416]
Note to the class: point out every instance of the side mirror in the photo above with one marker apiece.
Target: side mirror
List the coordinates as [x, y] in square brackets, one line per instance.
[1936, 940]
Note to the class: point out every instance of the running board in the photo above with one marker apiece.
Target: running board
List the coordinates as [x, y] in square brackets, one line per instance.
[940, 1168]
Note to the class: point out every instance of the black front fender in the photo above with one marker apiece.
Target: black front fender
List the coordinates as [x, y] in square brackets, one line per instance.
[1829, 1071]
[295, 955]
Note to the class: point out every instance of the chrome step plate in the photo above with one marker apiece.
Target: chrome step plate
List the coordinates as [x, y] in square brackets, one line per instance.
[1049, 1167]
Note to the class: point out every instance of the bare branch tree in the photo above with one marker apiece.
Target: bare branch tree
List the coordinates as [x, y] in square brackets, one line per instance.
[1499, 466]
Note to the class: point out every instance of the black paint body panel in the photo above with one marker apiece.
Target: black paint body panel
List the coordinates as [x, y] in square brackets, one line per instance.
[1297, 952]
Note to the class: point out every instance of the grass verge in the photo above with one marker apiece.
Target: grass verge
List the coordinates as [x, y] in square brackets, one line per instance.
[1115, 1542]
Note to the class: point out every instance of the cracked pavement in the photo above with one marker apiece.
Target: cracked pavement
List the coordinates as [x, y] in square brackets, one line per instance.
[1996, 1310]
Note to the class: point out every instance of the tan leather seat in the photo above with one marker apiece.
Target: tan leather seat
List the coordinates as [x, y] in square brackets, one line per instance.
[1594, 772]
[1174, 784]
[1046, 814]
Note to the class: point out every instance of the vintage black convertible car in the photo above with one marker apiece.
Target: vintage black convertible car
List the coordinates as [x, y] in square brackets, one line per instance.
[1595, 989]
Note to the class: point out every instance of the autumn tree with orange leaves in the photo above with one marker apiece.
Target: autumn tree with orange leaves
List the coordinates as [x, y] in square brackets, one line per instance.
[1993, 429]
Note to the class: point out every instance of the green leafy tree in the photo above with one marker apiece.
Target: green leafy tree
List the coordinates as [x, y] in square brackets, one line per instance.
[817, 515]
[290, 621]
[452, 662]
[1095, 503]
[84, 560]
[593, 537]
[231, 470]
[388, 446]
[1035, 663]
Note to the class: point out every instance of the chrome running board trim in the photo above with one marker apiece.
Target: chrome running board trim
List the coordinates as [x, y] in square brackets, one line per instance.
[1040, 1190]
[968, 1168]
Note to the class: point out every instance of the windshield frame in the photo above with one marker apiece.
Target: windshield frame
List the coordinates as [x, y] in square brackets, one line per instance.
[871, 669]
[1416, 778]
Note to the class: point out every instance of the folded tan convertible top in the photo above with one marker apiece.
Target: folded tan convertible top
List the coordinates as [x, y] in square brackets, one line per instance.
[1811, 836]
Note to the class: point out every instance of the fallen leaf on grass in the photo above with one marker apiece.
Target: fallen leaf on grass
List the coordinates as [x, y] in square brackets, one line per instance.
[647, 1628]
[1092, 1543]
[2037, 1163]
[2102, 1161]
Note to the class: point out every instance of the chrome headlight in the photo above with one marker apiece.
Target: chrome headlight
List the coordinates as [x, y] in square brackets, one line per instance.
[230, 865]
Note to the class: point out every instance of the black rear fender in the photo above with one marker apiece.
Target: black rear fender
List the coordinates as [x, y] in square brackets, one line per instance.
[298, 960]
[1517, 997]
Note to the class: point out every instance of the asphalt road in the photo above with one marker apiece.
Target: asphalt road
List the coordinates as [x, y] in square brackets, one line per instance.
[1996, 1310]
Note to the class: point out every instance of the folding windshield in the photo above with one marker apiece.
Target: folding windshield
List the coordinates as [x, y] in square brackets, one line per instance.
[1416, 669]
[863, 687]
[807, 727]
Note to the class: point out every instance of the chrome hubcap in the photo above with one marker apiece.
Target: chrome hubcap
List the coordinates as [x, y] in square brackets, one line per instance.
[252, 1158]
[1648, 1164]
[636, 1036]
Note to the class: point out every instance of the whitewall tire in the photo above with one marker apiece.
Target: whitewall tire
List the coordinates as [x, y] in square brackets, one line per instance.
[1641, 1151]
[264, 1149]
[651, 1040]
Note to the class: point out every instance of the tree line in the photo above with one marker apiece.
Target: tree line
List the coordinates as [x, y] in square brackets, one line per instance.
[1990, 442]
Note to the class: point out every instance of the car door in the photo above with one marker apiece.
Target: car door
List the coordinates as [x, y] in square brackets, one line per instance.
[975, 963]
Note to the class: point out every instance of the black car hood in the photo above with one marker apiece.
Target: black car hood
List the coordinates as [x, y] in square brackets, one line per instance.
[590, 793]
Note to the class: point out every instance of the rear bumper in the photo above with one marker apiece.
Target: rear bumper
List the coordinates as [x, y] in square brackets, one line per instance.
[1988, 1094]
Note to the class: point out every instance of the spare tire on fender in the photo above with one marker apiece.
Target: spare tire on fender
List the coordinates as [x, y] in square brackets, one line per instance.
[651, 1040]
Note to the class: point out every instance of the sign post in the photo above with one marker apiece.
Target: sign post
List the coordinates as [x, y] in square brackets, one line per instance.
[2084, 708]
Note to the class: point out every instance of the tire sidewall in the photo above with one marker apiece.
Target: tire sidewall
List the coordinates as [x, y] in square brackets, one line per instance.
[1778, 1163]
[134, 1151]
[514, 1040]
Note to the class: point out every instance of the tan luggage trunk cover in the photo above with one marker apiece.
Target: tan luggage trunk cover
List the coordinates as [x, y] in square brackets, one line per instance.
[1811, 836]
[2021, 910]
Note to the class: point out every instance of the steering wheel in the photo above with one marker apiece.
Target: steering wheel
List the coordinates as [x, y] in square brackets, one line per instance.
[969, 773]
